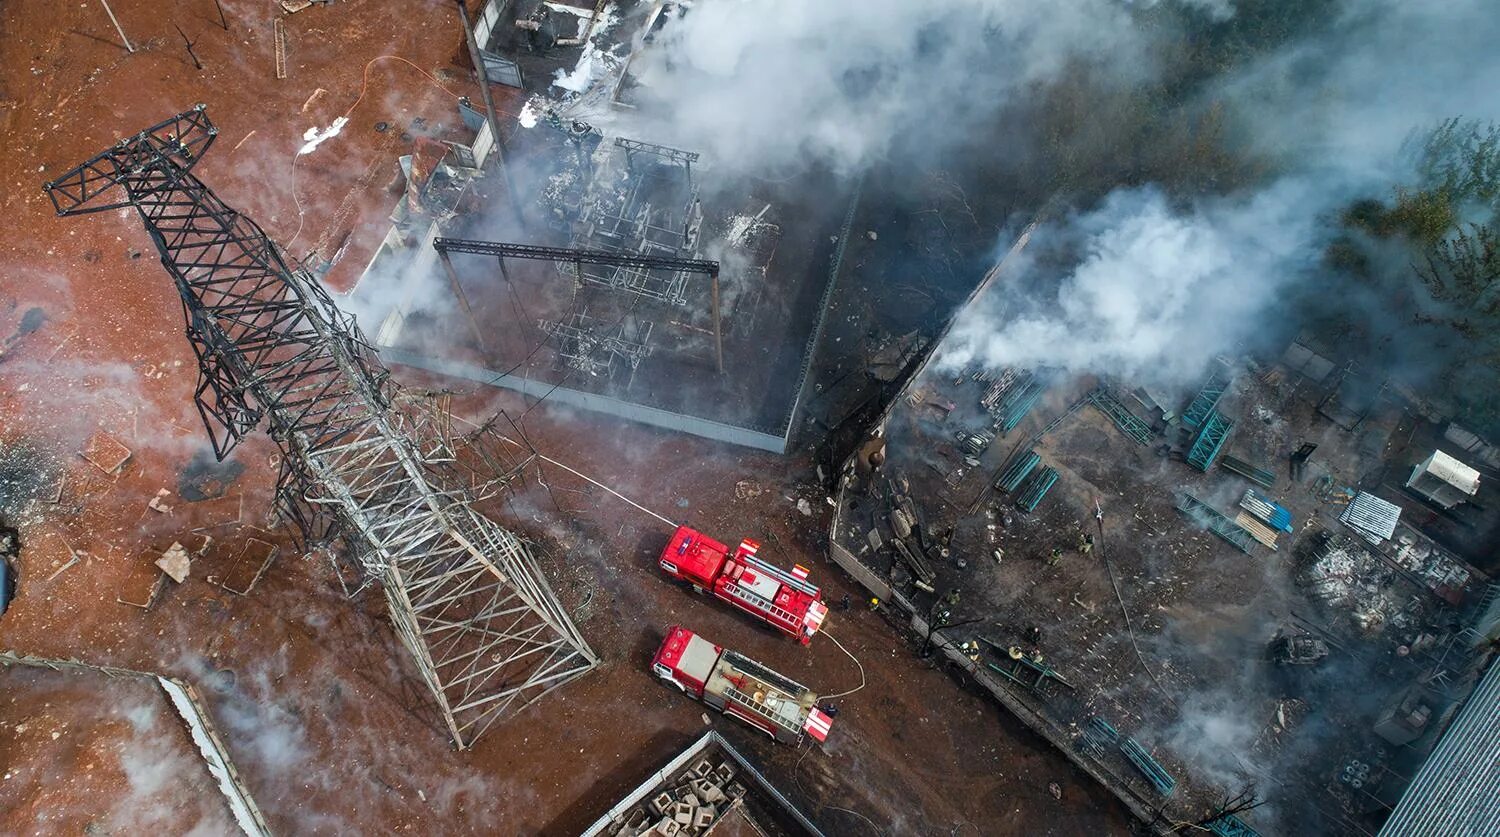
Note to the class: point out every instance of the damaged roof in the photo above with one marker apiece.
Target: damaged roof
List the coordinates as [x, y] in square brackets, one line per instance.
[1454, 792]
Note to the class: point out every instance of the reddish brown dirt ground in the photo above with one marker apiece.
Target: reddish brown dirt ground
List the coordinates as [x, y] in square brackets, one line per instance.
[315, 697]
[87, 753]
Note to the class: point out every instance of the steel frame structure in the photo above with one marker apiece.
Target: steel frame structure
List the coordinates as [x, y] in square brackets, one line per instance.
[500, 250]
[1203, 404]
[363, 465]
[1128, 423]
[1210, 440]
[630, 222]
[1211, 519]
[591, 346]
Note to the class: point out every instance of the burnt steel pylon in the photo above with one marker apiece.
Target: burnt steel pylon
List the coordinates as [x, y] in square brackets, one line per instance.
[360, 463]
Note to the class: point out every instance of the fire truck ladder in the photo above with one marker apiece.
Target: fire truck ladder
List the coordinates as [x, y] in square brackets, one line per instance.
[465, 596]
[749, 702]
[780, 575]
[500, 250]
[756, 600]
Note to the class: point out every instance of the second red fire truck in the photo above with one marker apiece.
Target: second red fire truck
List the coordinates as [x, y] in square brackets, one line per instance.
[784, 599]
[737, 685]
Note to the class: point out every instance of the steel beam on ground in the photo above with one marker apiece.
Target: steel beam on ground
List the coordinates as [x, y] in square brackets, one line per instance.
[1207, 398]
[1210, 440]
[1209, 518]
[1128, 423]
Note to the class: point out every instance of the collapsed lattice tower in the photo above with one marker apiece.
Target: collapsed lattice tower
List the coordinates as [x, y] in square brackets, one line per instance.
[359, 464]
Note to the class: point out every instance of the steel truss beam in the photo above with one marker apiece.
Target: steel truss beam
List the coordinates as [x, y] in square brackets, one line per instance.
[613, 258]
[579, 258]
[361, 461]
[1209, 518]
[1128, 423]
[1210, 440]
[676, 155]
[1207, 398]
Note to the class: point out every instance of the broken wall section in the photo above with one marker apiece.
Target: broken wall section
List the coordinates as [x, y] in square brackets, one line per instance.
[197, 722]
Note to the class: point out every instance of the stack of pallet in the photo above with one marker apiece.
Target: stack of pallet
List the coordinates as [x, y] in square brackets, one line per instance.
[1262, 518]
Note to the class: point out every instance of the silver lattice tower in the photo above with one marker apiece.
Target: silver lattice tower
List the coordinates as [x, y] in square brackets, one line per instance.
[361, 463]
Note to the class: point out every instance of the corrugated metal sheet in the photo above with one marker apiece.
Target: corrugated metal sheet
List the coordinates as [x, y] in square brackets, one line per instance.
[1372, 517]
[1455, 792]
[1269, 513]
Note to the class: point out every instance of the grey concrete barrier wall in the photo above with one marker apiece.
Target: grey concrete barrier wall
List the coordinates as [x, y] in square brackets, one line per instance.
[810, 354]
[654, 416]
[862, 574]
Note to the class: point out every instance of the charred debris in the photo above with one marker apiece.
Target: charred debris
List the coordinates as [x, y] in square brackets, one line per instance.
[1273, 585]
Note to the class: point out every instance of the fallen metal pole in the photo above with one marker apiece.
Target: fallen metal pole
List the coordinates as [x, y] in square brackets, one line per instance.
[463, 300]
[118, 28]
[718, 329]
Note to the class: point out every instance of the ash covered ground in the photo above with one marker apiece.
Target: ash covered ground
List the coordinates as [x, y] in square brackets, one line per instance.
[1107, 601]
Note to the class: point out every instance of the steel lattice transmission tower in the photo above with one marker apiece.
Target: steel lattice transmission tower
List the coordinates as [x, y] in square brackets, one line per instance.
[361, 463]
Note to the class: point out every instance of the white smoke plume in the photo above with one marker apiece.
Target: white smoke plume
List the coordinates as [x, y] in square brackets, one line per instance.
[1154, 289]
[1156, 292]
[778, 84]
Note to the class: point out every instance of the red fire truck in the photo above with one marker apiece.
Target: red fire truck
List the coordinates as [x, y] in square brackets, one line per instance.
[784, 599]
[737, 685]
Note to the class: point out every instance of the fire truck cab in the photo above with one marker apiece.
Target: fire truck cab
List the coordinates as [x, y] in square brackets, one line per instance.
[738, 686]
[784, 599]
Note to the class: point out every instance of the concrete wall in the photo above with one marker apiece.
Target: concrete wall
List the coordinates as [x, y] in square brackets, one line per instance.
[810, 352]
[488, 19]
[862, 574]
[189, 705]
[656, 417]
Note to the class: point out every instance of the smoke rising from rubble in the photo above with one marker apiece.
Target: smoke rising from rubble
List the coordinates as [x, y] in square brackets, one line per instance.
[776, 85]
[1157, 290]
[1156, 287]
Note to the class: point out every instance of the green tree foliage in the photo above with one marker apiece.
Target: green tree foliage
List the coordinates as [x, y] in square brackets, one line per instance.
[1432, 255]
[1460, 160]
[1423, 215]
[1463, 271]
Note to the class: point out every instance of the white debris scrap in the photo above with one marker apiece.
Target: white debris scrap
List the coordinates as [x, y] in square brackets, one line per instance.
[314, 138]
[594, 62]
[529, 114]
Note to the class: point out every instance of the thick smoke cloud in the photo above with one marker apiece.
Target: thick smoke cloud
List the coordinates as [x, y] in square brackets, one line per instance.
[1156, 292]
[1156, 289]
[778, 84]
